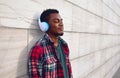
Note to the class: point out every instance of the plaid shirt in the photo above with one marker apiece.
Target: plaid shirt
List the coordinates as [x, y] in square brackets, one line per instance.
[43, 61]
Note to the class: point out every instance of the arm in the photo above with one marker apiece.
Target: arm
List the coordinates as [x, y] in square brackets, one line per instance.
[34, 63]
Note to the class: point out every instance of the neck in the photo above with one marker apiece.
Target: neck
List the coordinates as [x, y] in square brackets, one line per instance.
[54, 39]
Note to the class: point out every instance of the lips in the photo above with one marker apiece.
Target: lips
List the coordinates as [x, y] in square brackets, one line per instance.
[61, 29]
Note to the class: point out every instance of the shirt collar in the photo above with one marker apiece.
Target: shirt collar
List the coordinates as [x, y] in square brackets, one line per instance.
[47, 37]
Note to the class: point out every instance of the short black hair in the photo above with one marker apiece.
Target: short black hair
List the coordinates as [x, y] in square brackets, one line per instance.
[46, 13]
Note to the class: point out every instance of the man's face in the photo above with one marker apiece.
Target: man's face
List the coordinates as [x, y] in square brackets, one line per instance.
[56, 24]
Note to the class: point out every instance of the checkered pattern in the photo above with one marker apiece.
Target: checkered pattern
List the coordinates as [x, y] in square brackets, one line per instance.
[43, 61]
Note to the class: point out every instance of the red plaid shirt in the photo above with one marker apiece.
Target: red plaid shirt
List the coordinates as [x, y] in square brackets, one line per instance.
[43, 61]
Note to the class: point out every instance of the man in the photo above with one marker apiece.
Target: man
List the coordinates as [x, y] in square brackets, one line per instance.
[49, 58]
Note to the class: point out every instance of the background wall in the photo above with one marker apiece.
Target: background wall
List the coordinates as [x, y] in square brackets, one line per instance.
[92, 30]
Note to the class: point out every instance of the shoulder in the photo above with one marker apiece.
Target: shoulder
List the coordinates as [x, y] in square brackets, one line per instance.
[37, 50]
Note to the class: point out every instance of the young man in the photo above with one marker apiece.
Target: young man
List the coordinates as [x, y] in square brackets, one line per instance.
[49, 58]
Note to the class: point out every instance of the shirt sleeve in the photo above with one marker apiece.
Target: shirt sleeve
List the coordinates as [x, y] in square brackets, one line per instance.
[34, 62]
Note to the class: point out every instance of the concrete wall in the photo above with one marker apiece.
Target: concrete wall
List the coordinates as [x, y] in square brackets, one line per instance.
[92, 30]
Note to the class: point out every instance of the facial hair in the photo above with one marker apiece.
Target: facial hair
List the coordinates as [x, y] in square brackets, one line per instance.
[59, 34]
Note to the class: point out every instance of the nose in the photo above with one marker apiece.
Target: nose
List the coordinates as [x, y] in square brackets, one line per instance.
[61, 22]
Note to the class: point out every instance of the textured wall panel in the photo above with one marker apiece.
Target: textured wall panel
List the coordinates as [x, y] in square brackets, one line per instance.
[13, 50]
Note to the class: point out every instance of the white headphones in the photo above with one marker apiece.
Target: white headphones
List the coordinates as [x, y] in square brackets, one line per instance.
[44, 26]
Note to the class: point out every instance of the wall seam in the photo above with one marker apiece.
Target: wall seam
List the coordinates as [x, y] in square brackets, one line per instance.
[93, 13]
[96, 51]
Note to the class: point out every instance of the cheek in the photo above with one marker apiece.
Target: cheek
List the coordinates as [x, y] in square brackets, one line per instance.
[53, 28]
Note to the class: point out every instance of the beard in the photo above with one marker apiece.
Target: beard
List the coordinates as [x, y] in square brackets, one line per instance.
[59, 34]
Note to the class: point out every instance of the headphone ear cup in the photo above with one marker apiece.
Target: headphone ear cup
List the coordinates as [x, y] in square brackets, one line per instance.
[44, 26]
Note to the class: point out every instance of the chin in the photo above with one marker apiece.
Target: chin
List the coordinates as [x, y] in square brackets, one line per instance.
[61, 34]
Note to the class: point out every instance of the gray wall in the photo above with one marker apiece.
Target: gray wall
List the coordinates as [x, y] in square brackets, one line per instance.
[92, 30]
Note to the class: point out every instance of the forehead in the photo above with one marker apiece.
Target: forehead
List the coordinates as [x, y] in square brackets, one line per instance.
[54, 15]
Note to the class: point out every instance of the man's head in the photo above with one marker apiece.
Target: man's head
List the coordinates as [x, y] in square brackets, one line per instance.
[52, 17]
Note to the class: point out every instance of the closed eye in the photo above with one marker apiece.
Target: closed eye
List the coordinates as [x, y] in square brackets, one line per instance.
[57, 20]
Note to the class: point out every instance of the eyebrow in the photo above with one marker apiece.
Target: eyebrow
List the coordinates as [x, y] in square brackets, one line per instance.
[56, 18]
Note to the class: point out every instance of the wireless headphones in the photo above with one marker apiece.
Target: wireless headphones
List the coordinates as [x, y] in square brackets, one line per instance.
[44, 26]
